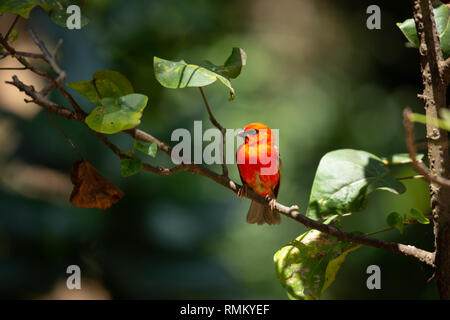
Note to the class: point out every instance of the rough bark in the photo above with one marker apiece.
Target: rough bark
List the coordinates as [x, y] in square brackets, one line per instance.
[434, 95]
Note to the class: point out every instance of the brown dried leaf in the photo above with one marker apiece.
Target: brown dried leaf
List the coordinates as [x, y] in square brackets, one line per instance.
[90, 189]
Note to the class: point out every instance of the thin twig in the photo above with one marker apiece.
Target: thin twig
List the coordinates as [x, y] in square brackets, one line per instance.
[13, 68]
[418, 165]
[64, 134]
[222, 130]
[23, 54]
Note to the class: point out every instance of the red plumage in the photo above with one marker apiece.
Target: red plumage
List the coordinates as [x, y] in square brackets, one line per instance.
[260, 169]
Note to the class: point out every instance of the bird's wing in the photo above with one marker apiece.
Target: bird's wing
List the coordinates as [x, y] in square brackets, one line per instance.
[277, 187]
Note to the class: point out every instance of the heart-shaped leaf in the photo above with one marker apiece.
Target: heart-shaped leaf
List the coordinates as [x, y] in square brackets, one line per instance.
[180, 74]
[441, 16]
[307, 266]
[344, 180]
[104, 84]
[113, 116]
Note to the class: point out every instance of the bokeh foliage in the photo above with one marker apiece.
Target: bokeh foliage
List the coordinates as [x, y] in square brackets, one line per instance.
[183, 236]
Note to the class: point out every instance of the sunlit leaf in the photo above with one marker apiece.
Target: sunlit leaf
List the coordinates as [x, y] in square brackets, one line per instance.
[113, 116]
[401, 158]
[148, 148]
[180, 74]
[416, 215]
[104, 84]
[344, 180]
[307, 266]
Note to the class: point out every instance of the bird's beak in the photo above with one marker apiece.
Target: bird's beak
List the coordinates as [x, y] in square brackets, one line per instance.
[241, 134]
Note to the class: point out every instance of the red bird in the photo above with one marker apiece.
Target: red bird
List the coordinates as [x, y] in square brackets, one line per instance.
[260, 169]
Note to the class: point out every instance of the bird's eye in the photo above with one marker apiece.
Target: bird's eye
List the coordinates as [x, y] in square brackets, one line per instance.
[251, 132]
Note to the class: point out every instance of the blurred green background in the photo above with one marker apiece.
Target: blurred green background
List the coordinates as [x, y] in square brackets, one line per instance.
[314, 71]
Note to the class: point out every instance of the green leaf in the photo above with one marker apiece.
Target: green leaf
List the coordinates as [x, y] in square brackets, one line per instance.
[56, 9]
[416, 215]
[148, 148]
[180, 74]
[20, 7]
[130, 166]
[113, 116]
[333, 267]
[344, 180]
[233, 66]
[104, 84]
[396, 220]
[307, 266]
[439, 123]
[401, 158]
[58, 12]
[441, 16]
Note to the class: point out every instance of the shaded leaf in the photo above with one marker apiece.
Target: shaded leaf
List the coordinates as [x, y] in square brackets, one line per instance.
[441, 16]
[307, 266]
[113, 116]
[90, 189]
[104, 84]
[396, 220]
[130, 166]
[180, 74]
[344, 180]
[148, 148]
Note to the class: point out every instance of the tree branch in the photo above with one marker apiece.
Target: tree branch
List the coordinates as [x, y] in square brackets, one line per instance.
[435, 78]
[292, 212]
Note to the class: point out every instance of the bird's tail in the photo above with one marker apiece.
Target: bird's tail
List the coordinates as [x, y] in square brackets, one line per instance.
[260, 214]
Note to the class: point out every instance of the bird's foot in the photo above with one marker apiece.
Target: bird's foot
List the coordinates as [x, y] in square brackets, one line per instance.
[272, 201]
[242, 192]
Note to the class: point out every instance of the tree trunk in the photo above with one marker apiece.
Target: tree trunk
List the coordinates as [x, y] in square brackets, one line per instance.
[434, 95]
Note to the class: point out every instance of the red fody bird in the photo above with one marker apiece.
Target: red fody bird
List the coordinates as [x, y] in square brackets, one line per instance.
[260, 169]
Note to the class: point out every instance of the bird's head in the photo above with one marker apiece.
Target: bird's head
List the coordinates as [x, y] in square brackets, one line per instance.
[255, 132]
